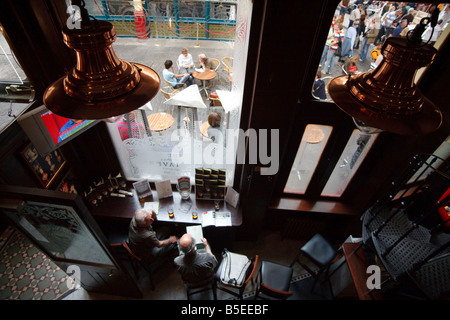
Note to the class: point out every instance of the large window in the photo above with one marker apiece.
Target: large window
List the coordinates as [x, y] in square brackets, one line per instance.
[363, 30]
[169, 137]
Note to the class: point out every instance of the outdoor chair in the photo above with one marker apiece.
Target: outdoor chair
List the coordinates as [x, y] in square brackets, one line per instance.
[171, 84]
[216, 64]
[168, 91]
[227, 63]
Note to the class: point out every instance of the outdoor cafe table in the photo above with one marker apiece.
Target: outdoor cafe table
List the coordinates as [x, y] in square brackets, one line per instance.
[205, 75]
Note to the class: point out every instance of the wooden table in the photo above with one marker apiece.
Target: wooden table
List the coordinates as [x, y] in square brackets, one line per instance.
[160, 121]
[357, 264]
[204, 76]
[124, 208]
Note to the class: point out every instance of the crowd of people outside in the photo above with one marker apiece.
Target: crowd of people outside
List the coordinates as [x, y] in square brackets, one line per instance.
[359, 28]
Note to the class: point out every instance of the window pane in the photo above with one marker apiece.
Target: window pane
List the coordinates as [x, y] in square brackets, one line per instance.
[351, 158]
[442, 153]
[184, 144]
[363, 28]
[308, 155]
[11, 71]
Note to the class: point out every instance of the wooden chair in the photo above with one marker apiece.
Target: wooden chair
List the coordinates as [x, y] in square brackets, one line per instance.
[273, 281]
[214, 98]
[216, 63]
[208, 284]
[168, 91]
[237, 291]
[227, 63]
[137, 262]
[170, 84]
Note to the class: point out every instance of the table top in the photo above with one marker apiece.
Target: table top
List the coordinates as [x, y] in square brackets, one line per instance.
[205, 75]
[124, 208]
[188, 97]
[160, 121]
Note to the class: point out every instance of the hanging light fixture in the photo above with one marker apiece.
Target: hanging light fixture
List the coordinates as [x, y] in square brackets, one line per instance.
[386, 98]
[100, 85]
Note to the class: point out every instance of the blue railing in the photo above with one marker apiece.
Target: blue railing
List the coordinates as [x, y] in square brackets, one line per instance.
[173, 17]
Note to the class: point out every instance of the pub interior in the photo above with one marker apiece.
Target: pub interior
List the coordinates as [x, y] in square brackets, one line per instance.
[389, 214]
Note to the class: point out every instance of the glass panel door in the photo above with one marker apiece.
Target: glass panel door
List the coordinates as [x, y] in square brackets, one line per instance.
[60, 231]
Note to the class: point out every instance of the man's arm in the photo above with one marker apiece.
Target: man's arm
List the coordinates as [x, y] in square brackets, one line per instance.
[207, 247]
[166, 242]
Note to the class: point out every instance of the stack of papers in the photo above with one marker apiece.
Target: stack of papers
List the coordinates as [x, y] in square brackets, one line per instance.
[197, 233]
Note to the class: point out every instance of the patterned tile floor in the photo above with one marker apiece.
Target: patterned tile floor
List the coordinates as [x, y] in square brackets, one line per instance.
[26, 273]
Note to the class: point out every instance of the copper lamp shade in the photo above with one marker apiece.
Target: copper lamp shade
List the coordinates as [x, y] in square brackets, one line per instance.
[386, 97]
[100, 85]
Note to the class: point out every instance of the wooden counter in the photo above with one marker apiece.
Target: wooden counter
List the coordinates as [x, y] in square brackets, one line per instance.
[124, 208]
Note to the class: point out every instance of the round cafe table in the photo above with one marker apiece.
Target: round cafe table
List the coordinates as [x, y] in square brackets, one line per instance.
[206, 75]
[160, 121]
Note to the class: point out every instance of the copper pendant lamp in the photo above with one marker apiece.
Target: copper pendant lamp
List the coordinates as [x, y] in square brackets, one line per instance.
[386, 98]
[100, 85]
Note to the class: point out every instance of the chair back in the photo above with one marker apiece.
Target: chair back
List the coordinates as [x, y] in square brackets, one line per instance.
[171, 84]
[251, 270]
[227, 64]
[168, 92]
[125, 245]
[208, 284]
[216, 63]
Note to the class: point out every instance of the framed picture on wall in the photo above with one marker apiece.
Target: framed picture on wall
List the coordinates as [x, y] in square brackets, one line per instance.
[68, 184]
[46, 169]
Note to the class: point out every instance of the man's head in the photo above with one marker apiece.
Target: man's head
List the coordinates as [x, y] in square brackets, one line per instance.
[145, 218]
[202, 57]
[214, 119]
[168, 64]
[186, 244]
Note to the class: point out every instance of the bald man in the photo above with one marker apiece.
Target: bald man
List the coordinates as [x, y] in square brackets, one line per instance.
[144, 241]
[194, 266]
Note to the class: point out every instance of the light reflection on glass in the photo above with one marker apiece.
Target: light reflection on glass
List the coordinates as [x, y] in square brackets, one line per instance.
[351, 158]
[308, 155]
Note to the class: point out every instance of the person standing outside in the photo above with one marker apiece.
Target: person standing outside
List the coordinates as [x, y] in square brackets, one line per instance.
[329, 62]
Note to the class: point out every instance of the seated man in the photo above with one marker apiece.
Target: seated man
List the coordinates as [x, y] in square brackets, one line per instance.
[205, 63]
[194, 266]
[144, 241]
[176, 80]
